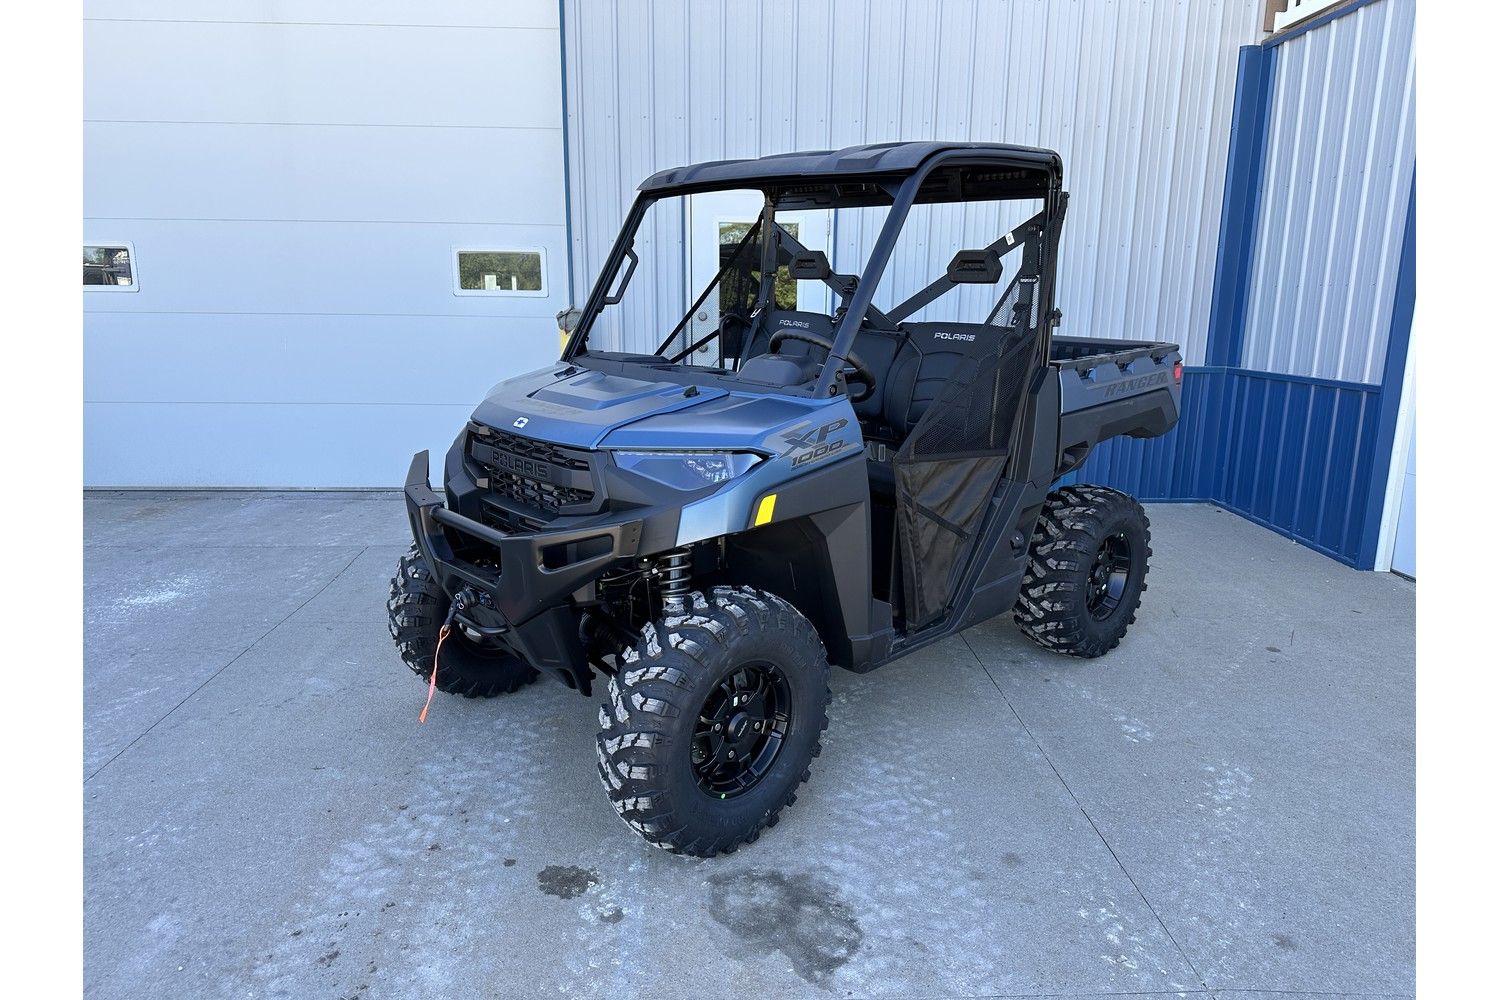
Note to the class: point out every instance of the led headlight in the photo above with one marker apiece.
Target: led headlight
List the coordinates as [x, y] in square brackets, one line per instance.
[688, 470]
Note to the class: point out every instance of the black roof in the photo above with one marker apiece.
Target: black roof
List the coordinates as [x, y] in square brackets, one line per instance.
[880, 158]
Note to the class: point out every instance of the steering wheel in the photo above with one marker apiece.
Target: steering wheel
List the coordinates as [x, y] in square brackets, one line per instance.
[864, 378]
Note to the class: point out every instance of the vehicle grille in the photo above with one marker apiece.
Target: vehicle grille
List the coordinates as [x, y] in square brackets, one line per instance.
[539, 450]
[528, 493]
[514, 501]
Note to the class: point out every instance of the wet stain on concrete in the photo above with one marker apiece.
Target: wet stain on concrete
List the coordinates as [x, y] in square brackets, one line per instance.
[1284, 941]
[566, 881]
[1011, 859]
[1273, 649]
[613, 915]
[800, 915]
[510, 862]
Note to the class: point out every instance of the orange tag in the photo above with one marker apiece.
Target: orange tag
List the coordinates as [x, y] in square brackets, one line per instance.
[432, 681]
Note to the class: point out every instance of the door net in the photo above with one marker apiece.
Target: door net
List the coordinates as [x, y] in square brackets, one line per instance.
[951, 465]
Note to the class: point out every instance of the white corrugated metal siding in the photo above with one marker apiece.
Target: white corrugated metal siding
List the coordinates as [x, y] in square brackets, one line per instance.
[1340, 152]
[1136, 96]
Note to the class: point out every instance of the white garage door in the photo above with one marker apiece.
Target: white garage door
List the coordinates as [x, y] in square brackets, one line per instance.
[295, 191]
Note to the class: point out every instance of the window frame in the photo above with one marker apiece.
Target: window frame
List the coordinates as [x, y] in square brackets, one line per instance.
[538, 293]
[135, 267]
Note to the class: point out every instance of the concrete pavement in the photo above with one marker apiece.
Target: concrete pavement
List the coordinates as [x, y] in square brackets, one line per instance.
[1221, 807]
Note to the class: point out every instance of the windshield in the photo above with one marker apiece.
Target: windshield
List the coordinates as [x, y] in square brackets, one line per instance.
[697, 306]
[713, 280]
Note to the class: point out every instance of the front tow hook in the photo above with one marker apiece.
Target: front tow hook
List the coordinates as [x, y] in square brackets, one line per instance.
[468, 603]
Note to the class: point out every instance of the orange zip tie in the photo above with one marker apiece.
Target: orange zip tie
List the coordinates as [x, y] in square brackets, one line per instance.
[432, 681]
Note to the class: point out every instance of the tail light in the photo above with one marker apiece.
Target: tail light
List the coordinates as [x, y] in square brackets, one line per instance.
[1177, 373]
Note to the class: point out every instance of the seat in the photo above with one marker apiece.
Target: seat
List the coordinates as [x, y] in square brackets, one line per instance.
[876, 348]
[928, 355]
[789, 319]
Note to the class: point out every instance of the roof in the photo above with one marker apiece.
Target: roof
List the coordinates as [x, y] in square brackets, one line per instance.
[881, 158]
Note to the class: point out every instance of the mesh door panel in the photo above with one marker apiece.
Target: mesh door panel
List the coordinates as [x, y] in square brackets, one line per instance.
[947, 471]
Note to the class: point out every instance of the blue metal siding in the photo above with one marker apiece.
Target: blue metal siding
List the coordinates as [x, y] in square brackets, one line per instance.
[1296, 455]
[1299, 459]
[1242, 196]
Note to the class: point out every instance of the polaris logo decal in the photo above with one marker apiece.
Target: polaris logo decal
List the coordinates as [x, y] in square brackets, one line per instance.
[528, 468]
[945, 335]
[521, 422]
[1136, 384]
[800, 324]
[806, 443]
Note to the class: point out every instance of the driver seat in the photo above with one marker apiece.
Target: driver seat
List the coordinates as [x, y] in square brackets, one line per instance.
[795, 361]
[789, 319]
[877, 348]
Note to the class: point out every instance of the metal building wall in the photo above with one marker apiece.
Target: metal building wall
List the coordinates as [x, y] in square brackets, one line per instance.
[1292, 422]
[294, 178]
[1340, 153]
[1136, 97]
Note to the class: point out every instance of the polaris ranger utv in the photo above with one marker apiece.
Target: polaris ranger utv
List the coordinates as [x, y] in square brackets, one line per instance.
[707, 525]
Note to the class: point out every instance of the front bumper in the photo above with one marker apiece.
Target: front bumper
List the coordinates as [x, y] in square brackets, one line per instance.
[528, 592]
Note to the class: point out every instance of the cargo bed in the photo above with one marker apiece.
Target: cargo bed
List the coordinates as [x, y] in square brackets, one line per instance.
[1112, 387]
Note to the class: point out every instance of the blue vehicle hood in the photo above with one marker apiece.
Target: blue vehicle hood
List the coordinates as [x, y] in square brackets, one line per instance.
[590, 409]
[579, 409]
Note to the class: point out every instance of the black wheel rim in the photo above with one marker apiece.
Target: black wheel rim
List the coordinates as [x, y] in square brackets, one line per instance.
[1108, 576]
[741, 729]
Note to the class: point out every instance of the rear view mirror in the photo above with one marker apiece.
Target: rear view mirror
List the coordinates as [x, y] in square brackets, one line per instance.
[974, 267]
[810, 265]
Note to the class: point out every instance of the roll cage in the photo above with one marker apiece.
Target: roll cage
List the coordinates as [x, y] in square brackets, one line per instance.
[899, 176]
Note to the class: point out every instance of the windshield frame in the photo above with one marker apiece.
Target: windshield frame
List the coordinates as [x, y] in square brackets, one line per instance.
[903, 189]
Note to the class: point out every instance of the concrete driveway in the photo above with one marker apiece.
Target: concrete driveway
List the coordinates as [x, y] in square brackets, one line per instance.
[1221, 807]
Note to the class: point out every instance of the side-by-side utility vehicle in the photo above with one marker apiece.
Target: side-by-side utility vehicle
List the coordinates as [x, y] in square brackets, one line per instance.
[717, 492]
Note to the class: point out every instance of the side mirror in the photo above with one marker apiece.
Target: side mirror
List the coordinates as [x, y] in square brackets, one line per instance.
[975, 267]
[810, 265]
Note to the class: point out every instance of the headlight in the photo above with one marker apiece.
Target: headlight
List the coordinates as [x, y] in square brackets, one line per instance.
[688, 470]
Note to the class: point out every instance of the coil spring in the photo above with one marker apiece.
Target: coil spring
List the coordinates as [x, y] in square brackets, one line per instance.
[675, 572]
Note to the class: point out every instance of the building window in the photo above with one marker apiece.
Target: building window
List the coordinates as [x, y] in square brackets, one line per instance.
[499, 272]
[109, 267]
[731, 235]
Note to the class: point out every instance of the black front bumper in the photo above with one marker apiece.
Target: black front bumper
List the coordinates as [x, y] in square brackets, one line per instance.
[529, 592]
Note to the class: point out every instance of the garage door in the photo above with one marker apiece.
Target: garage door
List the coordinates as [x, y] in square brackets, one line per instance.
[341, 233]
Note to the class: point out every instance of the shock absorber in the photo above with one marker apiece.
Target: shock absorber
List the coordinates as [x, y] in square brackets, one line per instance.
[674, 571]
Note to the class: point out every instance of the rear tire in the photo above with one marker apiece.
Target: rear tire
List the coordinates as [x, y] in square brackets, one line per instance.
[1086, 572]
[744, 661]
[417, 608]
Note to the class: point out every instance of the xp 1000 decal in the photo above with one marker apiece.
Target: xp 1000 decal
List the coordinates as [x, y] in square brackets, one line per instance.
[808, 442]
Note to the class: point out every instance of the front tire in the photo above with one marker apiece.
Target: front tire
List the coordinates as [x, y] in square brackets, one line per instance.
[1086, 572]
[417, 608]
[713, 721]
